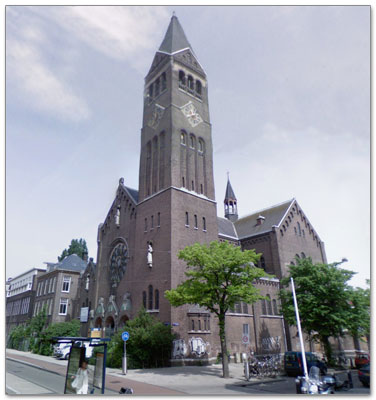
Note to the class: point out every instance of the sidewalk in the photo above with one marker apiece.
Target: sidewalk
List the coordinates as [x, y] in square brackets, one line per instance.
[185, 380]
[114, 379]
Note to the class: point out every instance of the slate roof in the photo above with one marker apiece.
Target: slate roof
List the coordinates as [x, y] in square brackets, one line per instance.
[175, 38]
[133, 193]
[226, 228]
[70, 263]
[247, 226]
[230, 195]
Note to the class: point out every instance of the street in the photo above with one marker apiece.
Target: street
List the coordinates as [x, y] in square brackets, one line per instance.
[22, 377]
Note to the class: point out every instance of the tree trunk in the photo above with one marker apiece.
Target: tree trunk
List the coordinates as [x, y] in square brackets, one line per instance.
[327, 349]
[222, 336]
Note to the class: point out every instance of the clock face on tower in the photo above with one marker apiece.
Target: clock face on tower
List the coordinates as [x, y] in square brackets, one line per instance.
[156, 116]
[189, 110]
[118, 263]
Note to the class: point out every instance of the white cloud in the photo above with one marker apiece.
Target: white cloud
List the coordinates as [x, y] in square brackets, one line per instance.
[41, 87]
[120, 32]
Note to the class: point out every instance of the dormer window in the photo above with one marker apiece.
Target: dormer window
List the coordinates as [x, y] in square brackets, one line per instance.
[260, 220]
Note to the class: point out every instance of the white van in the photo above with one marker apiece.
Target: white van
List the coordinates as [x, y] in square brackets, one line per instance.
[62, 350]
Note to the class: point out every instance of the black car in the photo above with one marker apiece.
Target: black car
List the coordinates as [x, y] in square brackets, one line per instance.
[364, 375]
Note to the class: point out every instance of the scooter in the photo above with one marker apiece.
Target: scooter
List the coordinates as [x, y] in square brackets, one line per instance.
[315, 384]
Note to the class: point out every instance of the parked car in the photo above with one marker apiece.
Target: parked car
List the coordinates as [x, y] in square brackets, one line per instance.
[361, 359]
[62, 350]
[294, 363]
[364, 375]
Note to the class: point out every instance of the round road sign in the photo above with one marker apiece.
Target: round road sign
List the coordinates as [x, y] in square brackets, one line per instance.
[125, 336]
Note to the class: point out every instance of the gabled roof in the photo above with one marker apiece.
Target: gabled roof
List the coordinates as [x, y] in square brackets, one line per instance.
[175, 39]
[247, 226]
[226, 228]
[133, 193]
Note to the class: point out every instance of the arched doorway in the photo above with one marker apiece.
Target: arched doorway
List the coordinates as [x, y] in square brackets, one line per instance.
[98, 322]
[122, 322]
[110, 326]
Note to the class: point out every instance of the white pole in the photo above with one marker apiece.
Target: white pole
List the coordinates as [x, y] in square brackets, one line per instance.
[125, 359]
[299, 331]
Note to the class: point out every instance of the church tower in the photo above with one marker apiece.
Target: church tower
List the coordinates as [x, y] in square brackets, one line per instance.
[176, 201]
[231, 208]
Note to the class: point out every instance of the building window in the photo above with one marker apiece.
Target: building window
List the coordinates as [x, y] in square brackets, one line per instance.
[193, 185]
[275, 309]
[181, 78]
[198, 87]
[41, 288]
[262, 261]
[63, 307]
[144, 299]
[156, 299]
[190, 83]
[245, 308]
[66, 284]
[183, 138]
[192, 142]
[263, 306]
[150, 93]
[200, 146]
[297, 256]
[46, 286]
[296, 233]
[146, 225]
[150, 305]
[186, 219]
[281, 232]
[204, 224]
[201, 189]
[152, 222]
[183, 182]
[299, 230]
[193, 324]
[157, 85]
[199, 325]
[54, 285]
[196, 227]
[269, 305]
[303, 255]
[245, 329]
[164, 82]
[238, 309]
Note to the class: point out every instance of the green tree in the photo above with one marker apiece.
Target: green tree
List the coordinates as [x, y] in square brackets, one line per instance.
[17, 336]
[149, 343]
[323, 295]
[360, 318]
[37, 325]
[77, 246]
[218, 276]
[71, 328]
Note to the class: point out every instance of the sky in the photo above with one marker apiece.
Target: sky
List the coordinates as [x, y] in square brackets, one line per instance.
[289, 98]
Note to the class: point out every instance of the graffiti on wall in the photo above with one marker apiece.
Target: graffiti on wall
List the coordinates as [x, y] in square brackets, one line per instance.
[179, 348]
[271, 343]
[197, 347]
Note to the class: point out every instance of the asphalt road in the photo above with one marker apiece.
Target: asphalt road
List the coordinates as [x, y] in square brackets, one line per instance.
[26, 379]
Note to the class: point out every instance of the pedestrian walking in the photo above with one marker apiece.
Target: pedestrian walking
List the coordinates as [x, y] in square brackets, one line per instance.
[81, 380]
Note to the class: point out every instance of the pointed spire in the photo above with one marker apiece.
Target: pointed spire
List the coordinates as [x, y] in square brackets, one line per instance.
[231, 207]
[175, 38]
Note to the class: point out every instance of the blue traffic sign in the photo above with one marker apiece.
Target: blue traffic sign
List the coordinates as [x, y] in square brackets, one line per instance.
[125, 336]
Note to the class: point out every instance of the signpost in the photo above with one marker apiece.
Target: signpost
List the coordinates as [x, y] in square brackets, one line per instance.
[125, 337]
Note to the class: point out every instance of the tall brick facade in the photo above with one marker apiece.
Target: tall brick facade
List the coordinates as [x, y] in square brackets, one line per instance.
[174, 207]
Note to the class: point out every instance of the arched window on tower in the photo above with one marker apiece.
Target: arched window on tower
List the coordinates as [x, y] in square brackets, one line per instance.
[198, 88]
[200, 145]
[181, 78]
[183, 138]
[144, 299]
[157, 87]
[303, 255]
[299, 230]
[150, 305]
[263, 307]
[275, 308]
[262, 262]
[150, 93]
[164, 81]
[191, 84]
[156, 299]
[192, 141]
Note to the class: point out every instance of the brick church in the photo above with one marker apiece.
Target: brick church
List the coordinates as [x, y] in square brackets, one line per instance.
[175, 207]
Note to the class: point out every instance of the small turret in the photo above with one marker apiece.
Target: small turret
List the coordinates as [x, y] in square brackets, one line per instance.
[231, 208]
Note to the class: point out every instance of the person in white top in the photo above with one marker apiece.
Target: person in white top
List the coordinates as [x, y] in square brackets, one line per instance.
[81, 379]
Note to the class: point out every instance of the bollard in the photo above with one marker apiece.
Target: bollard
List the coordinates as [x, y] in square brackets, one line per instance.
[349, 377]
